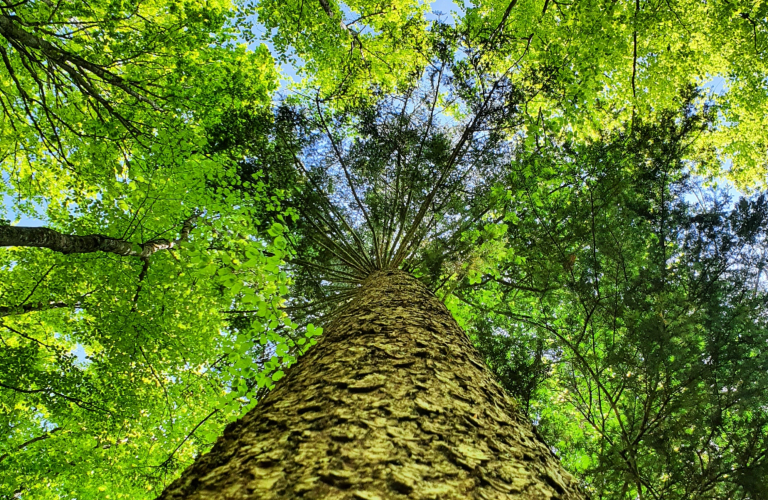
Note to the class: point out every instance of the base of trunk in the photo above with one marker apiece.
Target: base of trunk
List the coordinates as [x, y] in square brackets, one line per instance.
[393, 403]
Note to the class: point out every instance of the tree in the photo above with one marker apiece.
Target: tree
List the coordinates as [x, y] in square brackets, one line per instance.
[357, 243]
[593, 65]
[111, 118]
[643, 312]
[347, 48]
[89, 88]
[605, 343]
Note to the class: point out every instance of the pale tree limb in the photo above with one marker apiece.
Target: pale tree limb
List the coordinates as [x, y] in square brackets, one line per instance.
[40, 306]
[43, 237]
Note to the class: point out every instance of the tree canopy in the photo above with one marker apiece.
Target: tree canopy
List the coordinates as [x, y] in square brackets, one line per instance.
[548, 169]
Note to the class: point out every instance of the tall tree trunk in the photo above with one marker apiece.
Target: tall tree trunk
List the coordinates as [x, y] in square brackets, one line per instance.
[392, 403]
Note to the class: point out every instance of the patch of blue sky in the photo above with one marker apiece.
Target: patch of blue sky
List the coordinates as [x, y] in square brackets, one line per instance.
[717, 85]
[445, 10]
[11, 211]
[706, 190]
[289, 65]
[80, 354]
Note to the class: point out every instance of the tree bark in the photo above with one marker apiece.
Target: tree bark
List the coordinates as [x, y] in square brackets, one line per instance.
[27, 308]
[392, 403]
[43, 237]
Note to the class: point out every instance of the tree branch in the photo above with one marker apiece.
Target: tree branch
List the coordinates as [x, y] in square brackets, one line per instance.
[43, 237]
[40, 306]
[65, 60]
[31, 441]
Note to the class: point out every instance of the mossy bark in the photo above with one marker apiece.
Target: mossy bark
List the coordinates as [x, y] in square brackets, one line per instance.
[392, 403]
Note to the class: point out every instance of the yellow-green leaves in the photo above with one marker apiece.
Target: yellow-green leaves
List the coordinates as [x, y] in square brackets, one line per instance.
[346, 49]
[590, 66]
[140, 361]
[129, 89]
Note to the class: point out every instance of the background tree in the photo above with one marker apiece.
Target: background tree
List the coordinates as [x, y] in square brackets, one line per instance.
[89, 88]
[114, 370]
[643, 312]
[586, 66]
[344, 49]
[592, 66]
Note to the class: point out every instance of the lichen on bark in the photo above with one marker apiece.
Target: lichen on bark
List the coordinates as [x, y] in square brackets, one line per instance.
[394, 402]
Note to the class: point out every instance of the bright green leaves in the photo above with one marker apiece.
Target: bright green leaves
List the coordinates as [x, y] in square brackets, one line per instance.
[119, 120]
[164, 351]
[169, 349]
[487, 250]
[345, 49]
[589, 67]
[257, 284]
[277, 229]
[139, 362]
[313, 331]
[280, 243]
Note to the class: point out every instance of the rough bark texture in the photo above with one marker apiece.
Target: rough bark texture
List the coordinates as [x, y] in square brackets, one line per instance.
[393, 403]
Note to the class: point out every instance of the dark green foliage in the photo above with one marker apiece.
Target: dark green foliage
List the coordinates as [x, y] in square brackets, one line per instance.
[652, 308]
